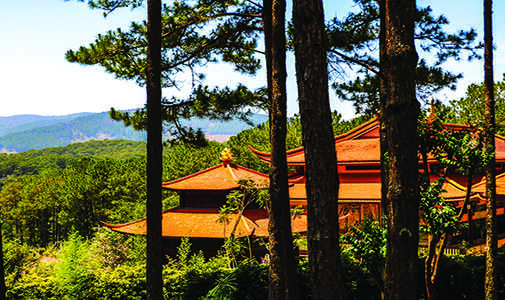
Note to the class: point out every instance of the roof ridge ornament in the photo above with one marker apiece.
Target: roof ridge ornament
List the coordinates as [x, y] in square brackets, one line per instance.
[433, 112]
[226, 155]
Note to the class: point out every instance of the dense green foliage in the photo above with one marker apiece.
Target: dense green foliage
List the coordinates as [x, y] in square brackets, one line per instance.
[470, 108]
[43, 208]
[105, 267]
[110, 266]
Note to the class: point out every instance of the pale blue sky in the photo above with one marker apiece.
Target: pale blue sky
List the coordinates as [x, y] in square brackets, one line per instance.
[36, 79]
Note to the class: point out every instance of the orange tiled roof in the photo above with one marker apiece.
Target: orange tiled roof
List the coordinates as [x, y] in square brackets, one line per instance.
[362, 145]
[224, 176]
[480, 187]
[454, 191]
[178, 222]
[355, 191]
[362, 150]
[372, 191]
[296, 156]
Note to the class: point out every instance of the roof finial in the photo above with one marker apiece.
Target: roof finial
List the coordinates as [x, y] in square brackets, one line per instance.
[226, 155]
[433, 114]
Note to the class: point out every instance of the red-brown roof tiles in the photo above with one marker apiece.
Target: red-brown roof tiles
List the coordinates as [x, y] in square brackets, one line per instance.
[195, 223]
[224, 176]
[361, 145]
[372, 191]
[480, 187]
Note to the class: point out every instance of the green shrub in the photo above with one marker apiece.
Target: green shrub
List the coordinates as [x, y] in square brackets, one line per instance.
[101, 269]
[248, 281]
[122, 282]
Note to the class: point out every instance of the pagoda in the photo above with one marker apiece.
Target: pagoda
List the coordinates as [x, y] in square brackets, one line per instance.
[200, 196]
[358, 152]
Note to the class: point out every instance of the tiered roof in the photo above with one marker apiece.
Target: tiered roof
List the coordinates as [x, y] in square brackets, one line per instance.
[357, 145]
[480, 187]
[370, 192]
[361, 145]
[177, 222]
[222, 177]
[205, 223]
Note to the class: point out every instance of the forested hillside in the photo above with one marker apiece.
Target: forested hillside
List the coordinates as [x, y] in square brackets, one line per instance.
[22, 133]
[36, 161]
[20, 123]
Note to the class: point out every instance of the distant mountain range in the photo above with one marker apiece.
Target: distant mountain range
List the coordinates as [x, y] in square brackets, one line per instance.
[23, 132]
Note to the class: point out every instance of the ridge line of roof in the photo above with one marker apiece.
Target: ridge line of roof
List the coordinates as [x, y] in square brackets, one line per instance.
[230, 172]
[243, 219]
[191, 175]
[226, 165]
[358, 129]
[251, 170]
[483, 181]
[456, 185]
[294, 151]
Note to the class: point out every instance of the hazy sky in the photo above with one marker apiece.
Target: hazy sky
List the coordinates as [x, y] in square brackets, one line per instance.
[36, 79]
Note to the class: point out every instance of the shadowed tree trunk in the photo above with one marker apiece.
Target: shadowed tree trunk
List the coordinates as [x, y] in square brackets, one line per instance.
[154, 152]
[399, 113]
[489, 100]
[382, 129]
[282, 269]
[322, 181]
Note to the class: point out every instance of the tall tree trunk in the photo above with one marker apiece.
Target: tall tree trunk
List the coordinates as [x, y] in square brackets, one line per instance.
[154, 152]
[400, 110]
[282, 272]
[383, 92]
[322, 181]
[491, 234]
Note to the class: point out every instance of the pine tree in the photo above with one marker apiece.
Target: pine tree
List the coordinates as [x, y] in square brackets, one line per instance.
[399, 114]
[322, 181]
[282, 269]
[351, 47]
[154, 252]
[194, 34]
[490, 129]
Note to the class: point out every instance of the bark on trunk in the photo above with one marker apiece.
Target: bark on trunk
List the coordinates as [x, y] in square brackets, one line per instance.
[491, 234]
[282, 269]
[383, 93]
[154, 153]
[320, 158]
[429, 266]
[400, 110]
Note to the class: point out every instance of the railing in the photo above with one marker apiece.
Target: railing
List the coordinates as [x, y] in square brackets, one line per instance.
[449, 251]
